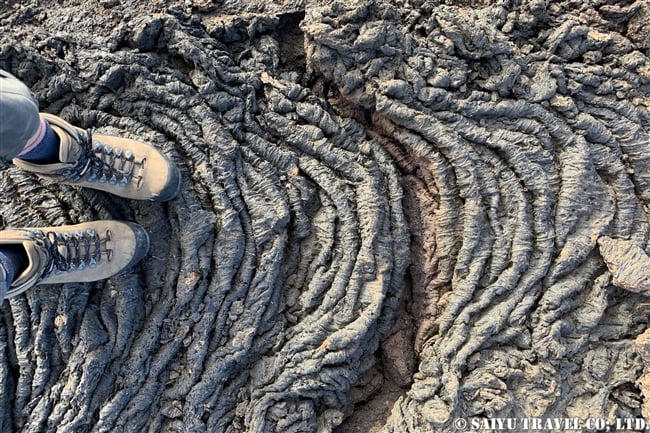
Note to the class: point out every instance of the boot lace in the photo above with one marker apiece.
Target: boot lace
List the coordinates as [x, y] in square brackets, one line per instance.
[75, 251]
[102, 163]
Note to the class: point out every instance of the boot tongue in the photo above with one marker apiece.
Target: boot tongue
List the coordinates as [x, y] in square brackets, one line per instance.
[37, 262]
[69, 148]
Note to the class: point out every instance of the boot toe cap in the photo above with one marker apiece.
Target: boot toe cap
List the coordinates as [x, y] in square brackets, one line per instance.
[141, 244]
[172, 187]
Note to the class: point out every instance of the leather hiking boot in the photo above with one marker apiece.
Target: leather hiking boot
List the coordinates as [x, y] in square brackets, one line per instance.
[120, 166]
[77, 253]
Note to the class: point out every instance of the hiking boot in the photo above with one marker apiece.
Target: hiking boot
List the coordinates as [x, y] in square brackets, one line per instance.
[120, 166]
[75, 254]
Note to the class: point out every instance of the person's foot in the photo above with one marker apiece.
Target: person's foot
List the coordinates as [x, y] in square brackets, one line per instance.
[75, 254]
[117, 165]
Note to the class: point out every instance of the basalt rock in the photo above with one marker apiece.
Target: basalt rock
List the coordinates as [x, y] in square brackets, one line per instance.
[448, 197]
[523, 132]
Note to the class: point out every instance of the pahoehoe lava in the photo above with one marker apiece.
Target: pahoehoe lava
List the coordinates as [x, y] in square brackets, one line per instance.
[447, 196]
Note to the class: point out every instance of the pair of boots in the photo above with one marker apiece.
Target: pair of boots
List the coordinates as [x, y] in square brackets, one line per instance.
[96, 250]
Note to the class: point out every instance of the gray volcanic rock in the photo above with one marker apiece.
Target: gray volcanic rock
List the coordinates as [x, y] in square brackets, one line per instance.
[426, 195]
[524, 133]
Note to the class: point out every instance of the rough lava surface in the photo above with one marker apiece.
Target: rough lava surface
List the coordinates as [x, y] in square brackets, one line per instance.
[394, 214]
